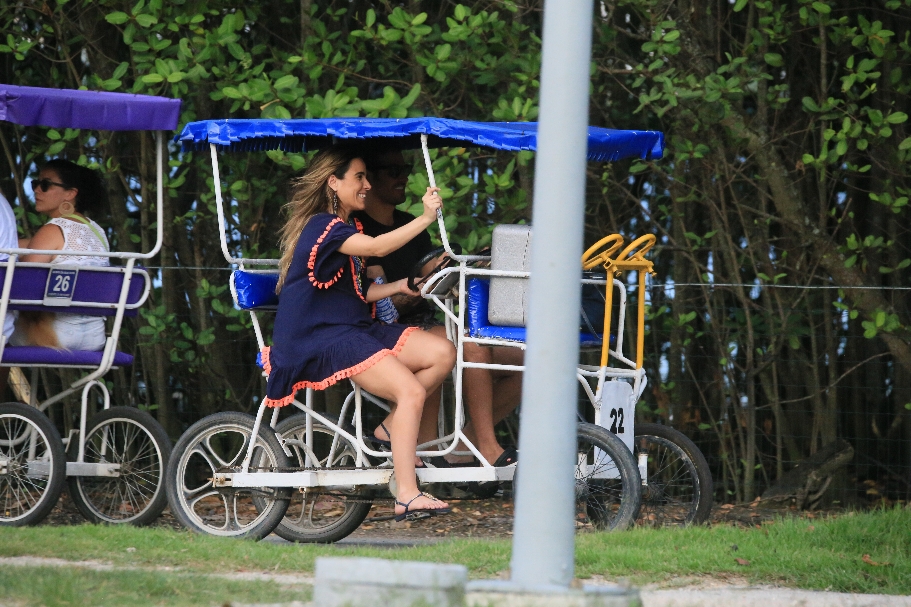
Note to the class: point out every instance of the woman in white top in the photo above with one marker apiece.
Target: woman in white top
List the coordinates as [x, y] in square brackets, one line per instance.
[65, 192]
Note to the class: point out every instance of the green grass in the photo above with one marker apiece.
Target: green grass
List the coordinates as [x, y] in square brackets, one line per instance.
[59, 586]
[822, 554]
[798, 553]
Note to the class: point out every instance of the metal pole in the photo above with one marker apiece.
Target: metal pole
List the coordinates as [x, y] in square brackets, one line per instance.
[543, 543]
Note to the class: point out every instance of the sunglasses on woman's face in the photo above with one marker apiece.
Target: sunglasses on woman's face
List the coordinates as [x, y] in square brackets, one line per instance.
[395, 170]
[46, 184]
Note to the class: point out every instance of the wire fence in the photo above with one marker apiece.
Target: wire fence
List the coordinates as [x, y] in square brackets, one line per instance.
[753, 417]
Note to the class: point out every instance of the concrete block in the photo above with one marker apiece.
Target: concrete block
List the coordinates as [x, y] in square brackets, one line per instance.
[484, 593]
[510, 251]
[341, 582]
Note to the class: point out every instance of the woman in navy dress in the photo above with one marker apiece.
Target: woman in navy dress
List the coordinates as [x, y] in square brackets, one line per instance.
[325, 330]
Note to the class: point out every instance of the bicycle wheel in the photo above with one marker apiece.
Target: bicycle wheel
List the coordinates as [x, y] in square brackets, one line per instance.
[133, 439]
[607, 480]
[32, 465]
[218, 443]
[321, 514]
[678, 488]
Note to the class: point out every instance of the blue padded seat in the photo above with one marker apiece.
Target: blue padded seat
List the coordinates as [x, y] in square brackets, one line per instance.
[255, 290]
[479, 327]
[37, 355]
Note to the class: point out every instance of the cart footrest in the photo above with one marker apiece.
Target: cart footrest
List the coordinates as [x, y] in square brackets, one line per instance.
[89, 469]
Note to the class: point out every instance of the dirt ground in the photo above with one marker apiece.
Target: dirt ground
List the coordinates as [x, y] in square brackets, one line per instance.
[489, 518]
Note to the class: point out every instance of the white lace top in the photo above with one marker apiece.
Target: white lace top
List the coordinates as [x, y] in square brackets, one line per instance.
[80, 237]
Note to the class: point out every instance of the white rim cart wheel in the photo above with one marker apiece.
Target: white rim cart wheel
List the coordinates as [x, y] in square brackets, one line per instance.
[608, 486]
[321, 514]
[218, 443]
[32, 465]
[139, 445]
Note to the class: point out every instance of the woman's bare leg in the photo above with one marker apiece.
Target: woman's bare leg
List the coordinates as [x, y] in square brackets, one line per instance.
[430, 358]
[392, 380]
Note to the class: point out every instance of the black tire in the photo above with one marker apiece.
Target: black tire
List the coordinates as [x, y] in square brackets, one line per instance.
[484, 490]
[218, 443]
[608, 488]
[29, 441]
[133, 439]
[321, 515]
[678, 489]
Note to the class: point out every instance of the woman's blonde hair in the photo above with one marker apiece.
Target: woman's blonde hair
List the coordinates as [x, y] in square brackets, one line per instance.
[310, 194]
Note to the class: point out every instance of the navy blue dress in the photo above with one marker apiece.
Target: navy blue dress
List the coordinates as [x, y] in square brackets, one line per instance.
[325, 330]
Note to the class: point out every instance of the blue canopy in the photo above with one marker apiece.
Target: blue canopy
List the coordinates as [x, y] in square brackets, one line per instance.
[33, 106]
[304, 135]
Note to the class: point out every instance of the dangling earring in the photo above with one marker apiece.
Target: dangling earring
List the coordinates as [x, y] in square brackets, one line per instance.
[335, 202]
[67, 208]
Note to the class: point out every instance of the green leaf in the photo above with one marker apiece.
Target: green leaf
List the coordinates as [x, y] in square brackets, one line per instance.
[896, 117]
[774, 59]
[146, 20]
[121, 70]
[371, 18]
[905, 144]
[287, 81]
[117, 18]
[809, 104]
[822, 8]
[152, 78]
[739, 6]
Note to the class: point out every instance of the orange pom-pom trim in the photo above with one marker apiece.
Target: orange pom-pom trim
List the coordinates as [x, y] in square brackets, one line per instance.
[311, 262]
[338, 375]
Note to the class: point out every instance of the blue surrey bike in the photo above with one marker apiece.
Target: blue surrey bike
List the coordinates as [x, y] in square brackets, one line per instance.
[312, 477]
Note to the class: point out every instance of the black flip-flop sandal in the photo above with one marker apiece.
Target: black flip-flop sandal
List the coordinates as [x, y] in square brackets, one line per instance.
[487, 489]
[509, 457]
[410, 514]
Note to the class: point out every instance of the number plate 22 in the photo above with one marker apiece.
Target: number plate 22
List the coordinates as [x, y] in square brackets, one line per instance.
[617, 410]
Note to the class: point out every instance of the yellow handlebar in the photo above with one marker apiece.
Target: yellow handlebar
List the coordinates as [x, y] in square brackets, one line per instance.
[630, 252]
[590, 260]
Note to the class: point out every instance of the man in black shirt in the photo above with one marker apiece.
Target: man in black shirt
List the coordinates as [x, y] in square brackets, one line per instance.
[489, 395]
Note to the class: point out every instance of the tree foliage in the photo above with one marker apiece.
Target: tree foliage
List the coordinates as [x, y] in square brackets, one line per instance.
[777, 322]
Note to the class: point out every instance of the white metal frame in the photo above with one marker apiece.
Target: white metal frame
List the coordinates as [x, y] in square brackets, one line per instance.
[90, 380]
[455, 327]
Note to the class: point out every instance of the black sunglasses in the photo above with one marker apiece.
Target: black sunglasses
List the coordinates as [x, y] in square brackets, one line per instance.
[394, 170]
[45, 184]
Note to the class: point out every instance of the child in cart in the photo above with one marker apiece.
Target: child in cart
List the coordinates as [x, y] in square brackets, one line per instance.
[325, 330]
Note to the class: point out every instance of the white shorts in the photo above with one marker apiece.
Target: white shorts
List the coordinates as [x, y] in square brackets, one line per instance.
[74, 332]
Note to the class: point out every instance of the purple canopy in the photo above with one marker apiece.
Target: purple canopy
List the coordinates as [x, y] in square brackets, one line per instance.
[33, 106]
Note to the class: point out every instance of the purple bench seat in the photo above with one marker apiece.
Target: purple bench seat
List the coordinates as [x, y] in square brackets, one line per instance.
[94, 285]
[14, 356]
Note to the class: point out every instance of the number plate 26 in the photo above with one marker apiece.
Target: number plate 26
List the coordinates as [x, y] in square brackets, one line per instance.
[61, 284]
